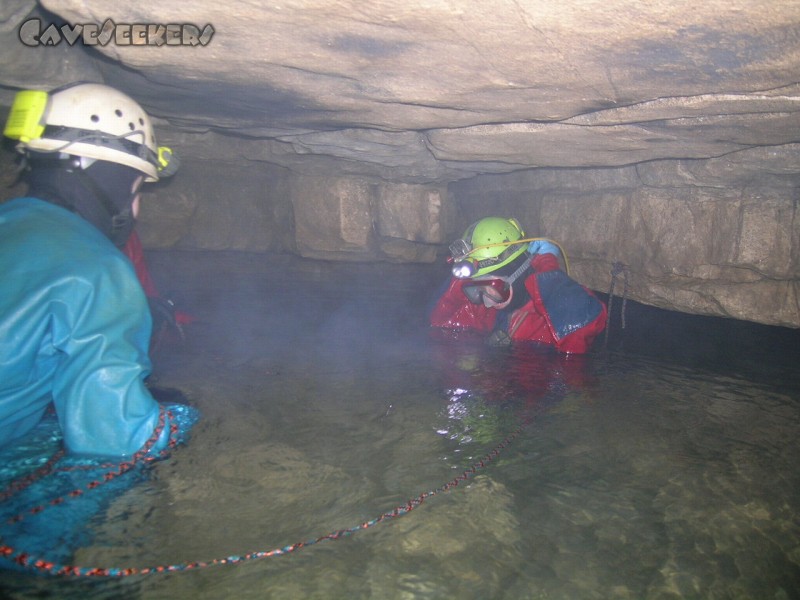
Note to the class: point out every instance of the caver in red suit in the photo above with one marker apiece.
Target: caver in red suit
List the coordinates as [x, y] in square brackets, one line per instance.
[528, 299]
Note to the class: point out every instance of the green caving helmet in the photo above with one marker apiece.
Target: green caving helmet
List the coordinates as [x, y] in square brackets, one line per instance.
[489, 237]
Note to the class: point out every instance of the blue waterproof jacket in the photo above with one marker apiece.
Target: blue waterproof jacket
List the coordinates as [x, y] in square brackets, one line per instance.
[74, 331]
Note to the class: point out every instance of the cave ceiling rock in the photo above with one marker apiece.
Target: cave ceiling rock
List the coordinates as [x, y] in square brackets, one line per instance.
[436, 90]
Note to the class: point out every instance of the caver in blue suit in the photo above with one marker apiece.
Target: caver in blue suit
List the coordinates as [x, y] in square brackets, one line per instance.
[74, 320]
[74, 330]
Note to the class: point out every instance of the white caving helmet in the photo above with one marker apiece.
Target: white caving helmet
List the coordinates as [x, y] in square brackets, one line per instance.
[88, 120]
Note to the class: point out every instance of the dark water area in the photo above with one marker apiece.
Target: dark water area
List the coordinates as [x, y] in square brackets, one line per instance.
[715, 343]
[662, 465]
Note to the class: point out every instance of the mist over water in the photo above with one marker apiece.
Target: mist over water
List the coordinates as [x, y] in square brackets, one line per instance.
[662, 465]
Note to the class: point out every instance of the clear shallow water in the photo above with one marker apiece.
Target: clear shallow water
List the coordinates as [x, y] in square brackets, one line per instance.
[326, 402]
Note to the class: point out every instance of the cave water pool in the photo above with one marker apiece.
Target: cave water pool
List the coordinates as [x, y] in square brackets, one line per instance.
[327, 402]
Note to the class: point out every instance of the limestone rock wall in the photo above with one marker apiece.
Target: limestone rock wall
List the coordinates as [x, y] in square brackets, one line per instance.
[259, 207]
[219, 206]
[714, 237]
[357, 219]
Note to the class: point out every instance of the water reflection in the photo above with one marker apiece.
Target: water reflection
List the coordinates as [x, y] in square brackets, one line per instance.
[491, 391]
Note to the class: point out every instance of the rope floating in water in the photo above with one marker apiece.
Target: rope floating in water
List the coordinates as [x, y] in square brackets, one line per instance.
[52, 568]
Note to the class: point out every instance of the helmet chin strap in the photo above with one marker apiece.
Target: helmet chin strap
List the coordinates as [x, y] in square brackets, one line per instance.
[526, 264]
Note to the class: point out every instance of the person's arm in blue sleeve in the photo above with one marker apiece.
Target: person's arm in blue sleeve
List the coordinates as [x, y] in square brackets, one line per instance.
[99, 392]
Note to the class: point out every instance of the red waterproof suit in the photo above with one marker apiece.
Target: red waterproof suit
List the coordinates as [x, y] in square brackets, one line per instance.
[560, 312]
[133, 250]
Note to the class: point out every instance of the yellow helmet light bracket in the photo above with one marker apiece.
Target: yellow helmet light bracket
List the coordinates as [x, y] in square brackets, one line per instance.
[27, 117]
[27, 121]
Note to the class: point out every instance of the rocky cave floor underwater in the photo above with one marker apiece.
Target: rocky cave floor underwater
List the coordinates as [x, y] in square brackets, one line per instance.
[663, 465]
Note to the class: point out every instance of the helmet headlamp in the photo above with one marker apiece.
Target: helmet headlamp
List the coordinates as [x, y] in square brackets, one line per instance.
[464, 269]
